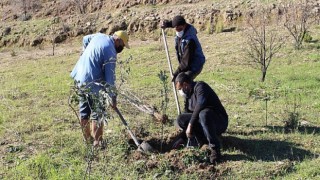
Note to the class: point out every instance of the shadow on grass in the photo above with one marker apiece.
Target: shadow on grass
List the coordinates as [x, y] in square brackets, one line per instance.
[301, 129]
[277, 129]
[265, 150]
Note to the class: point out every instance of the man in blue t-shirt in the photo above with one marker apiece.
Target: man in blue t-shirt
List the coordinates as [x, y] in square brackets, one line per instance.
[96, 67]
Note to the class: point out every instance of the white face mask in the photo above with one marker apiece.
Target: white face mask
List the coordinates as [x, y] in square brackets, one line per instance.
[179, 34]
[181, 93]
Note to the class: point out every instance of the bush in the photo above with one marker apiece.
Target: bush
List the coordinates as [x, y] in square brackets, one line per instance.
[13, 53]
[26, 17]
[292, 123]
[307, 37]
[219, 25]
[209, 28]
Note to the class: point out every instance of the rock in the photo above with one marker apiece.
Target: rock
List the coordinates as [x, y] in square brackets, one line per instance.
[3, 143]
[6, 31]
[56, 20]
[38, 40]
[77, 32]
[150, 18]
[103, 30]
[120, 26]
[60, 38]
[107, 17]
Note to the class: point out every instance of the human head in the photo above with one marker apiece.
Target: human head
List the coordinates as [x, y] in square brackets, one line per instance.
[121, 39]
[183, 84]
[179, 23]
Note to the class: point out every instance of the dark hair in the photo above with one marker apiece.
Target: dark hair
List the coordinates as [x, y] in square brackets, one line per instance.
[183, 77]
[178, 20]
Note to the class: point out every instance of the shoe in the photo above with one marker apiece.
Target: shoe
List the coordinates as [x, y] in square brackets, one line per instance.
[100, 144]
[178, 144]
[215, 154]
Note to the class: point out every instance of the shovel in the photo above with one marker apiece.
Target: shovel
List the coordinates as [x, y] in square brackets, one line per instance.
[144, 146]
[170, 68]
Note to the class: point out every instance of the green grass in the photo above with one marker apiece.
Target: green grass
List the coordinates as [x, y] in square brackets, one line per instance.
[26, 31]
[42, 138]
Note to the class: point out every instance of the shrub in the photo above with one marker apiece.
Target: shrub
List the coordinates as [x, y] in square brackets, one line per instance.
[13, 53]
[307, 37]
[292, 122]
[219, 25]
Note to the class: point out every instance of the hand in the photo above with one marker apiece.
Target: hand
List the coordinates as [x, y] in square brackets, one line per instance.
[165, 24]
[174, 76]
[189, 131]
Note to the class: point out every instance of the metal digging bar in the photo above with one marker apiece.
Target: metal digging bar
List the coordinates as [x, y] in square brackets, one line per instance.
[144, 146]
[170, 68]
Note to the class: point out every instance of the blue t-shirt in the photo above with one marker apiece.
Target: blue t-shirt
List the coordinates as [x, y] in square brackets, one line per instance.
[97, 62]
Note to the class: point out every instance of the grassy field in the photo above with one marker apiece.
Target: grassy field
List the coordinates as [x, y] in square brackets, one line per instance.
[41, 136]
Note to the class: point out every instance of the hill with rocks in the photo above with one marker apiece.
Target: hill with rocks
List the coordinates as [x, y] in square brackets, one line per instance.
[31, 22]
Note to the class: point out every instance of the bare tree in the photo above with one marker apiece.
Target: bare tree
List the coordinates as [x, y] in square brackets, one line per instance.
[81, 5]
[298, 18]
[263, 41]
[54, 30]
[27, 6]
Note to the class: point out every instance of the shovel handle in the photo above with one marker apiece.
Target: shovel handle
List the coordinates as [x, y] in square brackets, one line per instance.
[126, 124]
[170, 68]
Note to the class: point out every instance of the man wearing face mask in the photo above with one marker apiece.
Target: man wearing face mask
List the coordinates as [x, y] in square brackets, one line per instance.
[95, 67]
[188, 47]
[205, 116]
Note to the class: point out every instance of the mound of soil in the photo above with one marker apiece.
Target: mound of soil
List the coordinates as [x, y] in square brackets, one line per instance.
[187, 160]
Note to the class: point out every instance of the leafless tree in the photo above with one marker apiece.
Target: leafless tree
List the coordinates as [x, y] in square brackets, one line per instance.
[54, 30]
[298, 18]
[27, 6]
[263, 41]
[81, 5]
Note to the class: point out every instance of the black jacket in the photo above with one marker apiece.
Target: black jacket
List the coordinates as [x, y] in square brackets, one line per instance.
[201, 97]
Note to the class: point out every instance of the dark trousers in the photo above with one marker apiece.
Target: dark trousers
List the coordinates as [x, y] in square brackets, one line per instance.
[193, 74]
[209, 126]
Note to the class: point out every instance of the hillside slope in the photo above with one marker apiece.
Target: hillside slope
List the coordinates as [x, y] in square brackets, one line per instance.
[41, 22]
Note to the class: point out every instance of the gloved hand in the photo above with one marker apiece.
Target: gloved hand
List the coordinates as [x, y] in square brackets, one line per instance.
[166, 24]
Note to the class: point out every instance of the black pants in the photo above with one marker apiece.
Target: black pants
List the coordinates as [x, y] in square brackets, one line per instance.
[209, 126]
[193, 74]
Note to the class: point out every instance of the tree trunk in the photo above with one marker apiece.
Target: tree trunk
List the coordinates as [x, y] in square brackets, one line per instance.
[264, 73]
[53, 48]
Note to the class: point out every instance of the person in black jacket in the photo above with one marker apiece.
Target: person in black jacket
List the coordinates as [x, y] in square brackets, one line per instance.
[188, 48]
[205, 117]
